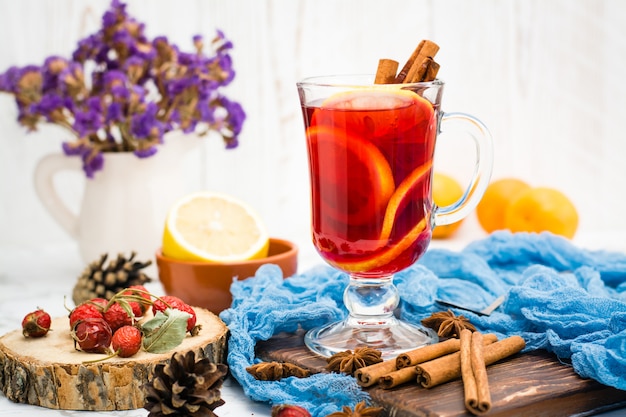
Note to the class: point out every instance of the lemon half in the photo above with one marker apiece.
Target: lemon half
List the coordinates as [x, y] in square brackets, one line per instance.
[213, 227]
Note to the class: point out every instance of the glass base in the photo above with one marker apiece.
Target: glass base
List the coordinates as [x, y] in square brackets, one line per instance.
[391, 336]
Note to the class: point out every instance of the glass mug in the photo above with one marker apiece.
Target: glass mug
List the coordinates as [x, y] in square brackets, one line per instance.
[370, 152]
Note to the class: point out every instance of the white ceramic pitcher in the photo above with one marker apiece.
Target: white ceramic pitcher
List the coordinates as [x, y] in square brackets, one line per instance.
[124, 206]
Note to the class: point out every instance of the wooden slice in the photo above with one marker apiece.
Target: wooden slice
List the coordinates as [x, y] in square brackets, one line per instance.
[49, 372]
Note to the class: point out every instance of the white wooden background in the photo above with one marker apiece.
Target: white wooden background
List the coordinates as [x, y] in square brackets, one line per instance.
[547, 76]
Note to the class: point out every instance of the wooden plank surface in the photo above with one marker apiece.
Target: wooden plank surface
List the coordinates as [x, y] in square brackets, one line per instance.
[532, 384]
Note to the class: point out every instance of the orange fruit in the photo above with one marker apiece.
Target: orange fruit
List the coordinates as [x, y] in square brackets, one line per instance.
[542, 209]
[446, 191]
[491, 210]
[212, 227]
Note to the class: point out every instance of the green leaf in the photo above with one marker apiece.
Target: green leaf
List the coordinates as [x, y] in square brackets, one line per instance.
[165, 331]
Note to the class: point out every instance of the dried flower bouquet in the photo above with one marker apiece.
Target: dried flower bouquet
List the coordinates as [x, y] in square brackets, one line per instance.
[121, 92]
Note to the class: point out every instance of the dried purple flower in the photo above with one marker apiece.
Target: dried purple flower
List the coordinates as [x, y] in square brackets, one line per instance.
[139, 89]
[236, 115]
[144, 153]
[52, 68]
[92, 163]
[146, 125]
[8, 80]
[220, 43]
[114, 78]
[89, 119]
[51, 107]
[198, 42]
[28, 85]
[114, 113]
[136, 67]
[72, 148]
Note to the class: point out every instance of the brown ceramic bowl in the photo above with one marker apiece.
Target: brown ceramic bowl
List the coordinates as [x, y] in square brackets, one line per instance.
[207, 285]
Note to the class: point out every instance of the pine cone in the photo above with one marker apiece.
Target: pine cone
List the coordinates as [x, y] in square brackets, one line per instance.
[98, 281]
[185, 387]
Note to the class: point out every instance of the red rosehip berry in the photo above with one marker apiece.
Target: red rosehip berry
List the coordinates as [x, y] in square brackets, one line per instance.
[126, 341]
[141, 292]
[136, 307]
[36, 324]
[92, 335]
[86, 310]
[178, 304]
[117, 317]
[99, 302]
[288, 410]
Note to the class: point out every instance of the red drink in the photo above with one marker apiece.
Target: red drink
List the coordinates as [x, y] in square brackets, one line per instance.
[371, 149]
[370, 155]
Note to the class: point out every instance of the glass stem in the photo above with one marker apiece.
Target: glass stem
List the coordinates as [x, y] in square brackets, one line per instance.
[371, 302]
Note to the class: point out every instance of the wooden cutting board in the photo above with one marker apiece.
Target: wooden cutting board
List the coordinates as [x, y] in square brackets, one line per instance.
[49, 372]
[531, 384]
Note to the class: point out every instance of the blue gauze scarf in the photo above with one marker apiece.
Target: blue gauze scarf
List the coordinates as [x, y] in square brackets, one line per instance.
[559, 297]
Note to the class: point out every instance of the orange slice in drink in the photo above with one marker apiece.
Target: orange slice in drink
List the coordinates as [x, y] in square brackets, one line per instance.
[398, 198]
[373, 113]
[354, 179]
[396, 201]
[384, 257]
[367, 98]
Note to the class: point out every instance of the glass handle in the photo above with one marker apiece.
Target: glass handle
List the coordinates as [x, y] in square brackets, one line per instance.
[482, 169]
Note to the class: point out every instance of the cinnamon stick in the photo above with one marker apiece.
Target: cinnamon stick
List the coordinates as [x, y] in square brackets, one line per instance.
[417, 71]
[427, 353]
[409, 63]
[474, 373]
[369, 375]
[417, 64]
[431, 71]
[386, 72]
[405, 362]
[447, 368]
[399, 377]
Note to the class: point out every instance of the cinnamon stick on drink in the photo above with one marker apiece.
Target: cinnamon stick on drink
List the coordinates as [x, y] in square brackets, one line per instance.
[420, 66]
[415, 67]
[386, 72]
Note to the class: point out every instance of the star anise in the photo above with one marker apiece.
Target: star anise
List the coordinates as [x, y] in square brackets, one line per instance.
[348, 362]
[446, 324]
[361, 410]
[273, 371]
